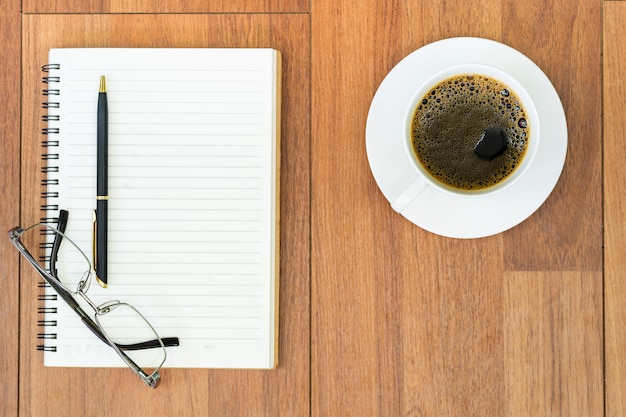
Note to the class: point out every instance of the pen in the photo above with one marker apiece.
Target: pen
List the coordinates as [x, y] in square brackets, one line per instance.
[102, 197]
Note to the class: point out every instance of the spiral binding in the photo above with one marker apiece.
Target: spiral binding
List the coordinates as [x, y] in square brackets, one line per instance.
[48, 207]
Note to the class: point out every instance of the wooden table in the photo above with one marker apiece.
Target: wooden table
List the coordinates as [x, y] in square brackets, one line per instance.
[378, 317]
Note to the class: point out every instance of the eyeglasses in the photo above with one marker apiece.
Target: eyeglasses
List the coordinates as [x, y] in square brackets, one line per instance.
[68, 271]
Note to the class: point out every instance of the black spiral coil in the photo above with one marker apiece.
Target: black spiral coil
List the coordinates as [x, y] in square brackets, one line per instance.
[48, 207]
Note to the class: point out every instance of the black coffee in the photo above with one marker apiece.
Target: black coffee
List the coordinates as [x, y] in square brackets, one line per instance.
[453, 118]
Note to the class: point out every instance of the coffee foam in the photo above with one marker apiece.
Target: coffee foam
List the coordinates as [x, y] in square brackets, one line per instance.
[451, 118]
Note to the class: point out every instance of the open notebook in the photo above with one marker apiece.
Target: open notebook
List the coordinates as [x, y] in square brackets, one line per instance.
[193, 197]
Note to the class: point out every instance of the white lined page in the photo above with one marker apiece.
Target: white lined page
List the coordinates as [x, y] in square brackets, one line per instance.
[192, 197]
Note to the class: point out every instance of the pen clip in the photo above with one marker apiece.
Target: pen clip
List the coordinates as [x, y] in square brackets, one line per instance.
[95, 250]
[94, 240]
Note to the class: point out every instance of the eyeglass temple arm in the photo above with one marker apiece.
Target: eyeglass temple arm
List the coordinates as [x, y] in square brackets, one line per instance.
[151, 344]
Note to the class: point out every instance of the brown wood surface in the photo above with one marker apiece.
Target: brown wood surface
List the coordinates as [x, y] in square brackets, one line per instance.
[165, 6]
[615, 205]
[9, 203]
[378, 317]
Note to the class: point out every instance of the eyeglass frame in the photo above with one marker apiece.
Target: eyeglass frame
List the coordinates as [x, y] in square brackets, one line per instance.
[153, 379]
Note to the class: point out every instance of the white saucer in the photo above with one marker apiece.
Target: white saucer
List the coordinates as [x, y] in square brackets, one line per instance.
[440, 212]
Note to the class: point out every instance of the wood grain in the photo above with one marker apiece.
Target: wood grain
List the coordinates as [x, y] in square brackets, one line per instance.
[614, 206]
[165, 6]
[58, 391]
[405, 322]
[568, 50]
[553, 344]
[10, 207]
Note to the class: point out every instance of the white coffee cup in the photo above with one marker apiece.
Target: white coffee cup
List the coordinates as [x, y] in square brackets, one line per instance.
[424, 179]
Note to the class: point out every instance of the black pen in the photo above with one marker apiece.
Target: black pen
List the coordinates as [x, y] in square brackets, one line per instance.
[102, 197]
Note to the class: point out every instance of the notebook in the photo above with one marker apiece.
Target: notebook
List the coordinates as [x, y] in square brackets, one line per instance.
[193, 197]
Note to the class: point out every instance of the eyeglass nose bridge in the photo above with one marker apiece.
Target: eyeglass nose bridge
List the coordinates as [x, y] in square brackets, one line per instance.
[88, 300]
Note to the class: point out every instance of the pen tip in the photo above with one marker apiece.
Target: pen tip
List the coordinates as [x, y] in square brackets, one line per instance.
[103, 86]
